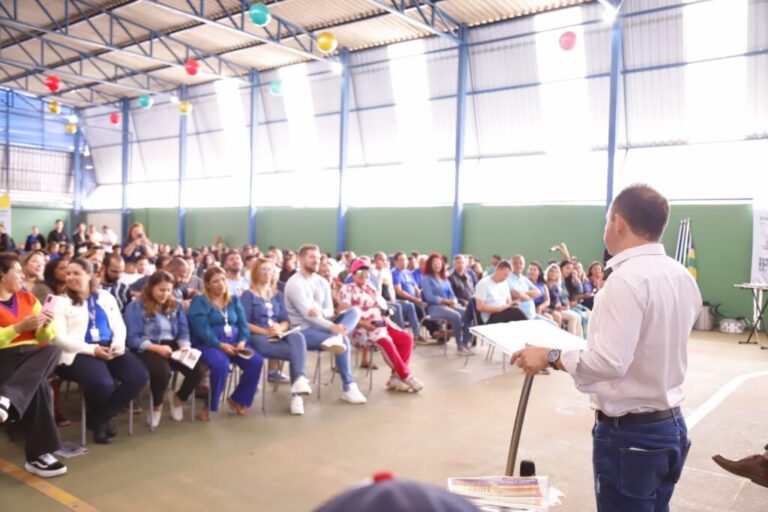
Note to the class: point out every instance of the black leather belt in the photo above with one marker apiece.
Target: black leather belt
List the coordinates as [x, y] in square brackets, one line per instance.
[638, 418]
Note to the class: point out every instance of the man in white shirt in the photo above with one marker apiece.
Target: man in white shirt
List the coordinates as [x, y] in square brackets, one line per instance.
[233, 265]
[636, 359]
[108, 239]
[492, 297]
[309, 305]
[522, 288]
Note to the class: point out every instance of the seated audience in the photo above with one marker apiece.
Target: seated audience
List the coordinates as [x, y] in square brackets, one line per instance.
[408, 294]
[208, 260]
[54, 280]
[57, 235]
[233, 265]
[442, 301]
[157, 326]
[559, 302]
[80, 239]
[34, 238]
[33, 266]
[461, 281]
[572, 290]
[522, 288]
[288, 268]
[592, 284]
[112, 280]
[108, 239]
[493, 298]
[219, 329]
[309, 305]
[536, 276]
[395, 344]
[26, 361]
[91, 334]
[53, 250]
[6, 242]
[268, 321]
[134, 247]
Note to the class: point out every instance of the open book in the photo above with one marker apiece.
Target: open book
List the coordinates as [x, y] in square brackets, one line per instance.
[188, 357]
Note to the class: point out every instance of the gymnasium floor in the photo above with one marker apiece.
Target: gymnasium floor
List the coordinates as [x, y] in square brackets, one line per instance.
[458, 426]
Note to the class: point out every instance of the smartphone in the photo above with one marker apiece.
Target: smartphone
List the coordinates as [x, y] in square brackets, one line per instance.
[50, 303]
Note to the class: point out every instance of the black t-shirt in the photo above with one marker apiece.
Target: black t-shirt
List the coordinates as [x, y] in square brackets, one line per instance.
[55, 236]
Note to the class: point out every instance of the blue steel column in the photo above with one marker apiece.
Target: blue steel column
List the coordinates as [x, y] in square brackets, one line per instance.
[252, 210]
[341, 218]
[7, 142]
[461, 118]
[77, 172]
[125, 213]
[613, 119]
[182, 236]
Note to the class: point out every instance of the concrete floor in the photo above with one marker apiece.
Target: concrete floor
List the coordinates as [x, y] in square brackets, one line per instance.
[458, 426]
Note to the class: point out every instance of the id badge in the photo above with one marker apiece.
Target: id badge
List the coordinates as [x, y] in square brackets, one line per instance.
[228, 330]
[95, 336]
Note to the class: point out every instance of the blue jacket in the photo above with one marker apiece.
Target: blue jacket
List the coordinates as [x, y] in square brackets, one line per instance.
[435, 290]
[256, 309]
[143, 330]
[207, 323]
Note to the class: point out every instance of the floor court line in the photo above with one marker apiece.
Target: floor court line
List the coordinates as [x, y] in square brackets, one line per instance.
[45, 487]
[707, 407]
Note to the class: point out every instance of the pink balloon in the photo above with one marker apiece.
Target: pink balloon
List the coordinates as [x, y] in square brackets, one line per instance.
[567, 41]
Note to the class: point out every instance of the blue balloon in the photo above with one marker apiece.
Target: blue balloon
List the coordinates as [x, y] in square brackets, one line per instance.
[145, 101]
[276, 87]
[260, 15]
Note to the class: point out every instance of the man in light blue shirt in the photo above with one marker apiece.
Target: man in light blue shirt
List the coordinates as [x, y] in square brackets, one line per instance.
[522, 288]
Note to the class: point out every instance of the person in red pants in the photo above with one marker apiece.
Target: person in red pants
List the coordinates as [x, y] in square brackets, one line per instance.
[395, 345]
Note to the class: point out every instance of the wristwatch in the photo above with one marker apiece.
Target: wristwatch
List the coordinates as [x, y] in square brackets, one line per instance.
[552, 357]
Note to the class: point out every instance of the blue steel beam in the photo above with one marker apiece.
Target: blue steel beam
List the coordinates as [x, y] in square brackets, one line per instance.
[252, 211]
[7, 143]
[613, 110]
[77, 172]
[124, 212]
[461, 122]
[285, 29]
[341, 215]
[182, 233]
[431, 18]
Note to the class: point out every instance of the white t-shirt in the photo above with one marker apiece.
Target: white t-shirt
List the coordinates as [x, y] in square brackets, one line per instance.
[492, 293]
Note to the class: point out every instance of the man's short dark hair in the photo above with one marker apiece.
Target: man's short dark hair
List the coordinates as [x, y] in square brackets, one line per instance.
[398, 254]
[645, 210]
[504, 264]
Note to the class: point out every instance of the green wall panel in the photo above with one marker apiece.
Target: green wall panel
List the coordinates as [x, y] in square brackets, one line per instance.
[161, 224]
[292, 227]
[22, 220]
[399, 229]
[203, 224]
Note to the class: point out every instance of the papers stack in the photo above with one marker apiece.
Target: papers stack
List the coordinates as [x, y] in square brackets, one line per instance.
[187, 356]
[502, 493]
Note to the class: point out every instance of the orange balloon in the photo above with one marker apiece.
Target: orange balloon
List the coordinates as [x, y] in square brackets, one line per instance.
[71, 128]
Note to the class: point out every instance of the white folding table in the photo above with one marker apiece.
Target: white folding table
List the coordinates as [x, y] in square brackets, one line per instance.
[758, 310]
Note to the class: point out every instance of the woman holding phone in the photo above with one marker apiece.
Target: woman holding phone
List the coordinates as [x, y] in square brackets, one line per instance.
[25, 363]
[157, 326]
[91, 333]
[220, 331]
[137, 245]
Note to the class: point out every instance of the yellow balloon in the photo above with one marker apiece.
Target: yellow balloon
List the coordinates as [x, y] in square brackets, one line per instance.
[326, 42]
[71, 128]
[54, 107]
[185, 107]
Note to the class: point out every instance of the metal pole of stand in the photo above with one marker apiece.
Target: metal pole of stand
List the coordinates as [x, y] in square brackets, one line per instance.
[518, 429]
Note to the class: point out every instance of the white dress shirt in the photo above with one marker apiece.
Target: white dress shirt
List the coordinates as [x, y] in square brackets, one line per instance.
[636, 355]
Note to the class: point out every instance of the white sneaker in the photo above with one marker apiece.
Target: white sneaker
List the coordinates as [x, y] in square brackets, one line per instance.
[297, 405]
[177, 413]
[353, 395]
[5, 405]
[395, 383]
[301, 386]
[334, 344]
[45, 466]
[415, 384]
[153, 417]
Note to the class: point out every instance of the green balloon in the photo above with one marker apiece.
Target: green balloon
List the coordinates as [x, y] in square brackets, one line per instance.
[276, 87]
[145, 101]
[260, 15]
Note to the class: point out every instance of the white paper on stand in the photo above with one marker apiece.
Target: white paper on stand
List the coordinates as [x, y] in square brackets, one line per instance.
[513, 336]
[187, 357]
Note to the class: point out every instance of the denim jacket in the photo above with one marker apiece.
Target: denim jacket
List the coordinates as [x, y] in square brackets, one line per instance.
[143, 330]
[436, 289]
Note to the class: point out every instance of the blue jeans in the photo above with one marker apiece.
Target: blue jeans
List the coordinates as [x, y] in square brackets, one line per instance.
[292, 348]
[409, 312]
[636, 467]
[455, 317]
[316, 335]
[219, 363]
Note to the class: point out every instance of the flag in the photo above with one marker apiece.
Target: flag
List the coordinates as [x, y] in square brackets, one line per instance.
[691, 260]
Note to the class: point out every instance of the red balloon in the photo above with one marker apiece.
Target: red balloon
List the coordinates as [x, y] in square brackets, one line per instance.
[53, 83]
[192, 66]
[567, 41]
[114, 118]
